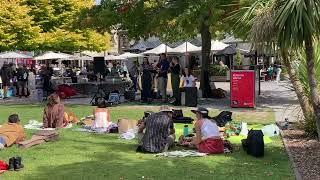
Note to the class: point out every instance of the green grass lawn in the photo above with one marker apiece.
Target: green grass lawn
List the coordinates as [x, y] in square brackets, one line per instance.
[79, 155]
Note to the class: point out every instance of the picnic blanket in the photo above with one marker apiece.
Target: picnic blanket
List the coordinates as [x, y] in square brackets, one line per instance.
[129, 135]
[181, 154]
[36, 125]
[88, 128]
[40, 137]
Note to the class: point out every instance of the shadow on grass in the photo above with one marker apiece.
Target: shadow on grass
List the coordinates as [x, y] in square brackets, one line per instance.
[121, 162]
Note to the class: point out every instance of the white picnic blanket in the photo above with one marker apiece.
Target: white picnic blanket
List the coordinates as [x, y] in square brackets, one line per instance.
[131, 134]
[182, 153]
[36, 125]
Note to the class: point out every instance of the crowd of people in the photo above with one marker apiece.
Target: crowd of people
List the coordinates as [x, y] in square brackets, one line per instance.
[156, 133]
[159, 71]
[153, 76]
[19, 76]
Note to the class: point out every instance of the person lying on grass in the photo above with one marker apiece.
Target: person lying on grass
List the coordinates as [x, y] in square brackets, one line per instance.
[11, 132]
[207, 139]
[159, 132]
[53, 116]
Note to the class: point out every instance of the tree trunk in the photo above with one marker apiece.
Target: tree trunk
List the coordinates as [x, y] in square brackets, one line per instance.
[303, 99]
[206, 49]
[314, 96]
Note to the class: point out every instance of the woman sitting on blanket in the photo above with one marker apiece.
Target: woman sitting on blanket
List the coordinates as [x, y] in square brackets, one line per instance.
[101, 115]
[207, 139]
[53, 116]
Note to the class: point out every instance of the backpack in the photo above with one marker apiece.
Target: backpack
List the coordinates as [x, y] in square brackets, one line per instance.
[22, 75]
[254, 144]
[223, 118]
[218, 93]
[114, 98]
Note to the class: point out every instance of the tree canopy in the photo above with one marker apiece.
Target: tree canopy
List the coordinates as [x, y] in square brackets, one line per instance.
[170, 20]
[47, 25]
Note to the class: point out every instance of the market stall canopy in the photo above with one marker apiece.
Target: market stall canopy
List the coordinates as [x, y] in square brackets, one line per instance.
[52, 55]
[78, 57]
[162, 48]
[129, 55]
[186, 47]
[113, 57]
[218, 46]
[231, 50]
[14, 55]
[93, 54]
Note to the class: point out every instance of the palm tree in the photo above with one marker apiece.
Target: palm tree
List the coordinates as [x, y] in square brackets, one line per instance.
[297, 22]
[292, 25]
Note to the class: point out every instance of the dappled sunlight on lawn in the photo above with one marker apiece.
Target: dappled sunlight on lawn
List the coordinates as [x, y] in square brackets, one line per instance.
[80, 155]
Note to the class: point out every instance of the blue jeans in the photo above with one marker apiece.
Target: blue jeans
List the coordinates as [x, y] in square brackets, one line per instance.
[2, 141]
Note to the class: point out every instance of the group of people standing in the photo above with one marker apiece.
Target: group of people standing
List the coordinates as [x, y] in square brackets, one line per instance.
[274, 72]
[10, 75]
[161, 72]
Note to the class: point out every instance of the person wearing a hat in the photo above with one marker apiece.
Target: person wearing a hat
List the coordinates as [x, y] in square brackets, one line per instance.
[157, 132]
[207, 139]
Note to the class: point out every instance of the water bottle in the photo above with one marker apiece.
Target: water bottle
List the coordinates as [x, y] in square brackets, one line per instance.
[186, 130]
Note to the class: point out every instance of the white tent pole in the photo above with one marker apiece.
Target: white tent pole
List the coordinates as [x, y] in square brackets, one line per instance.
[186, 55]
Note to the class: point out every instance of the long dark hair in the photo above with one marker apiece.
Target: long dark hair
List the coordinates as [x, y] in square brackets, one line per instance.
[145, 58]
[189, 71]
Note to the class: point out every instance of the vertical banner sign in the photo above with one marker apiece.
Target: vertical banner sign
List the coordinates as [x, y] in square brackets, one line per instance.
[242, 89]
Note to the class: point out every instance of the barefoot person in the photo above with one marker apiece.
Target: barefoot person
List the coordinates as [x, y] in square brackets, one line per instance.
[207, 139]
[11, 132]
[53, 116]
[159, 132]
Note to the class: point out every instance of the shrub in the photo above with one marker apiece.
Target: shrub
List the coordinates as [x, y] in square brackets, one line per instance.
[309, 126]
[217, 70]
[238, 58]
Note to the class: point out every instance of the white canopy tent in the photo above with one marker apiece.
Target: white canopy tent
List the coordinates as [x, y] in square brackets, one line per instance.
[52, 55]
[14, 55]
[113, 57]
[218, 46]
[129, 55]
[78, 57]
[162, 48]
[185, 48]
[93, 54]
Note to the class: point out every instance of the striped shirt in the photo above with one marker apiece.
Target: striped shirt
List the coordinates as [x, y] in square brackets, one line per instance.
[158, 128]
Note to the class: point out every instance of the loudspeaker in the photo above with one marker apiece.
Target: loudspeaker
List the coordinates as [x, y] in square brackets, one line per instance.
[99, 65]
[191, 96]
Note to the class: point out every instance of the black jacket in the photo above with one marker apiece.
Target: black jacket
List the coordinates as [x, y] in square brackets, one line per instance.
[6, 72]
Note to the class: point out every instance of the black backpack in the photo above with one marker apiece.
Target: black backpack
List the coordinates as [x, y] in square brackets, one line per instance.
[254, 144]
[223, 118]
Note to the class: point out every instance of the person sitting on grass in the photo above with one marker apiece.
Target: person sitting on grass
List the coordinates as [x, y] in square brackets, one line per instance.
[159, 133]
[53, 116]
[11, 132]
[207, 139]
[101, 115]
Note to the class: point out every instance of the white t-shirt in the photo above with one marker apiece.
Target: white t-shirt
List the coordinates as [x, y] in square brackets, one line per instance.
[188, 81]
[209, 129]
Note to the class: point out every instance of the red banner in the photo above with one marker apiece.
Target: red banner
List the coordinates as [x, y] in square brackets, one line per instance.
[242, 89]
